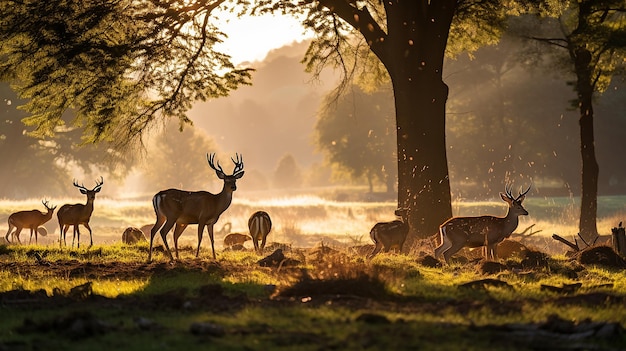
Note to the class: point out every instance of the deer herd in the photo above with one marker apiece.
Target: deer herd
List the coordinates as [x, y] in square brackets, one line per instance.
[175, 208]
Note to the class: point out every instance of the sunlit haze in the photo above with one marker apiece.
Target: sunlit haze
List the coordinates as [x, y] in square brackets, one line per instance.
[251, 38]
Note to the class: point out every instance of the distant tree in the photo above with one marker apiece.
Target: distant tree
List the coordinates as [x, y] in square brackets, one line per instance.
[357, 136]
[35, 168]
[504, 122]
[178, 160]
[288, 174]
[592, 37]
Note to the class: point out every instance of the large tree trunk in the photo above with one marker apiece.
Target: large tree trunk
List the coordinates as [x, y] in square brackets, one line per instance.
[590, 170]
[414, 59]
[423, 183]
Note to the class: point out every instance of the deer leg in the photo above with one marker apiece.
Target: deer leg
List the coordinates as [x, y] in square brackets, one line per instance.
[376, 250]
[155, 228]
[164, 230]
[255, 242]
[454, 248]
[210, 227]
[445, 245]
[90, 237]
[6, 237]
[76, 236]
[30, 240]
[178, 231]
[64, 229]
[263, 243]
[18, 230]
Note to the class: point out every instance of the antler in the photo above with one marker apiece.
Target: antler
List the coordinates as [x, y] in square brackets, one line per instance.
[96, 188]
[509, 186]
[218, 170]
[238, 164]
[46, 205]
[99, 183]
[521, 194]
[82, 187]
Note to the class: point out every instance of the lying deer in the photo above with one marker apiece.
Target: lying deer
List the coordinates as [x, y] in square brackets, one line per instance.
[180, 208]
[77, 214]
[390, 235]
[260, 226]
[28, 219]
[487, 231]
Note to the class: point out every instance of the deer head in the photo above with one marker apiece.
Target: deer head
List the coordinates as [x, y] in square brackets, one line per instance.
[229, 180]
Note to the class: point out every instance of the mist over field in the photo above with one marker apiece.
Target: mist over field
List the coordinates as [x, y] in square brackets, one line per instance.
[308, 219]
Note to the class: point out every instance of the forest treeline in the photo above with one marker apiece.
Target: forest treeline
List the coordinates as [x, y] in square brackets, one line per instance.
[504, 116]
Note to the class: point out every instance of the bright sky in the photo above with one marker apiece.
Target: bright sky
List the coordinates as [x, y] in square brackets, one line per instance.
[251, 38]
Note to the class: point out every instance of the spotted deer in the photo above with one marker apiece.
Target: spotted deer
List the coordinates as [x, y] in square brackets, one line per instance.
[179, 208]
[260, 226]
[487, 231]
[77, 214]
[28, 219]
[390, 235]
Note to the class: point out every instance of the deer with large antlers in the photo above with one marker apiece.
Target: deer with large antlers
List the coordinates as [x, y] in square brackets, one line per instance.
[77, 214]
[28, 219]
[487, 231]
[180, 208]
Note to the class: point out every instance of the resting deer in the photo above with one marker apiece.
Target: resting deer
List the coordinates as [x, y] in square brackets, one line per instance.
[260, 226]
[487, 231]
[390, 235]
[181, 208]
[77, 214]
[28, 219]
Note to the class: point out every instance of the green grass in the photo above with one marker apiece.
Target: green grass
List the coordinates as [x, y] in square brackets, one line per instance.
[420, 308]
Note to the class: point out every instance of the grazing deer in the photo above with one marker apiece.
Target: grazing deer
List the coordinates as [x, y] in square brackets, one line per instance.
[132, 235]
[233, 239]
[181, 208]
[28, 219]
[77, 214]
[390, 235]
[260, 226]
[487, 231]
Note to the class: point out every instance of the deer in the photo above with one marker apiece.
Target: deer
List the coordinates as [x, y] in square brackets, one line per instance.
[28, 219]
[487, 231]
[77, 214]
[174, 207]
[260, 226]
[390, 235]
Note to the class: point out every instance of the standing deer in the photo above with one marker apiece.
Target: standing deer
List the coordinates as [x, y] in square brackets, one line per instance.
[77, 214]
[260, 226]
[487, 231]
[181, 208]
[28, 219]
[390, 235]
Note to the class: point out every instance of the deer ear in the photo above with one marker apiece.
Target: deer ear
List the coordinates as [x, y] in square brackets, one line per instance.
[220, 175]
[83, 191]
[239, 175]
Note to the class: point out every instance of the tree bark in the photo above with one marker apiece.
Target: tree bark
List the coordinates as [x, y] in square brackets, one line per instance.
[423, 183]
[590, 169]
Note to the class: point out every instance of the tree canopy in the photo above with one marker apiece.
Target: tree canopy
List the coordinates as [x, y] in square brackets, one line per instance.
[119, 64]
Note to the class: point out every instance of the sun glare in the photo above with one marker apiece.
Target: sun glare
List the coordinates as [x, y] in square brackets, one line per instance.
[250, 39]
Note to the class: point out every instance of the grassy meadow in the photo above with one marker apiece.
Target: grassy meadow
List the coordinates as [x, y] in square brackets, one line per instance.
[318, 297]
